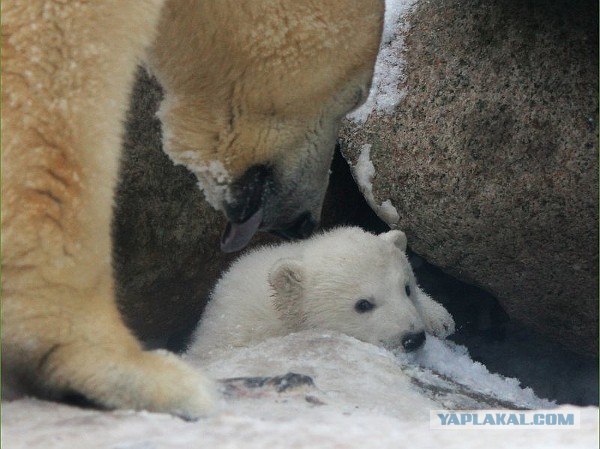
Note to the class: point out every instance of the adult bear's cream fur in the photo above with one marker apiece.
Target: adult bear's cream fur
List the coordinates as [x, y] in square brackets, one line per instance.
[248, 84]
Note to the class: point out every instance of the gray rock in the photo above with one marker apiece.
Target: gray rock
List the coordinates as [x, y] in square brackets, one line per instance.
[491, 158]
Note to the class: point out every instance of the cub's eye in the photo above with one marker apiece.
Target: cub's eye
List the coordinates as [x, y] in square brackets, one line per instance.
[363, 305]
[407, 289]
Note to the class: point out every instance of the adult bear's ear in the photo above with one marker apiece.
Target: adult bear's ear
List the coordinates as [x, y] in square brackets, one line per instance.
[286, 279]
[396, 237]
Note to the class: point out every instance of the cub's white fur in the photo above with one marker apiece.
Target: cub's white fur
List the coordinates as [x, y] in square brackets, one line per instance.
[315, 284]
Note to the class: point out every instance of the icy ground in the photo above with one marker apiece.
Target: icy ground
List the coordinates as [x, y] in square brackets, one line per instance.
[362, 397]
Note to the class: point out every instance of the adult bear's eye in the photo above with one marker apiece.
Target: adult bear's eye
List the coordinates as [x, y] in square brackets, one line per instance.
[363, 305]
[407, 289]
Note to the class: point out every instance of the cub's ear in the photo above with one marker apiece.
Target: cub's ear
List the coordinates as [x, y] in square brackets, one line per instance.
[396, 237]
[286, 277]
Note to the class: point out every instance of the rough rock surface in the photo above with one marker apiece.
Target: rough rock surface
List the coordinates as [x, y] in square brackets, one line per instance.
[491, 158]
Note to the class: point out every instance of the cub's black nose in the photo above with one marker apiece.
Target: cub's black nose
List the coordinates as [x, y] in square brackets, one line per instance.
[302, 228]
[413, 341]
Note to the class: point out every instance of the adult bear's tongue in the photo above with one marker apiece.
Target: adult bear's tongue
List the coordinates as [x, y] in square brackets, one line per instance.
[237, 235]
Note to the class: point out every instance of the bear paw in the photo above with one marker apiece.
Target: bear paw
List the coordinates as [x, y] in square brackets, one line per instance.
[438, 320]
[180, 389]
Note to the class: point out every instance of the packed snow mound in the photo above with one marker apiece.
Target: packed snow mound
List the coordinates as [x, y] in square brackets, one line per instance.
[371, 377]
[451, 362]
[358, 396]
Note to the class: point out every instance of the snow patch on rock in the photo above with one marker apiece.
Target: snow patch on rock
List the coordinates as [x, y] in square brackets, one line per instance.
[453, 361]
[385, 93]
[364, 171]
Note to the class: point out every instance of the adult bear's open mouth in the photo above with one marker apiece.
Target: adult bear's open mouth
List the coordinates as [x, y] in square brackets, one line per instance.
[245, 213]
[259, 201]
[237, 235]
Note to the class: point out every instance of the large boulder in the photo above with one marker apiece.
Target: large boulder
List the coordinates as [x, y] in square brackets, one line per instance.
[489, 161]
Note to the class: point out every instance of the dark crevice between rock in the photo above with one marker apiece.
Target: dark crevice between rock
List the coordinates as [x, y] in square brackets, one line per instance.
[504, 346]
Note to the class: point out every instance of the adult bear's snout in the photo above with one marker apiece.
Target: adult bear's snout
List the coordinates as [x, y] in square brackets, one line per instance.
[245, 212]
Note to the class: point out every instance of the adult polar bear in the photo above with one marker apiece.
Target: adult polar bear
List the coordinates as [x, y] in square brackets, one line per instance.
[254, 95]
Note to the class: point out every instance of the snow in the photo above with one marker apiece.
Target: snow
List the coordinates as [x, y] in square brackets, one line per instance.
[453, 361]
[213, 178]
[385, 93]
[364, 171]
[362, 397]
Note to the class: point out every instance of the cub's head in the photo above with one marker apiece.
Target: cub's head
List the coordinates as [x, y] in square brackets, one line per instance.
[353, 282]
[254, 95]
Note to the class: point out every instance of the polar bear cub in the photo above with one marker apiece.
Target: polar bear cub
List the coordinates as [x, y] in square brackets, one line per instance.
[344, 280]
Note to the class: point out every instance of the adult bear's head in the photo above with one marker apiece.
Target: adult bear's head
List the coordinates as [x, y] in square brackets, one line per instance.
[254, 95]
